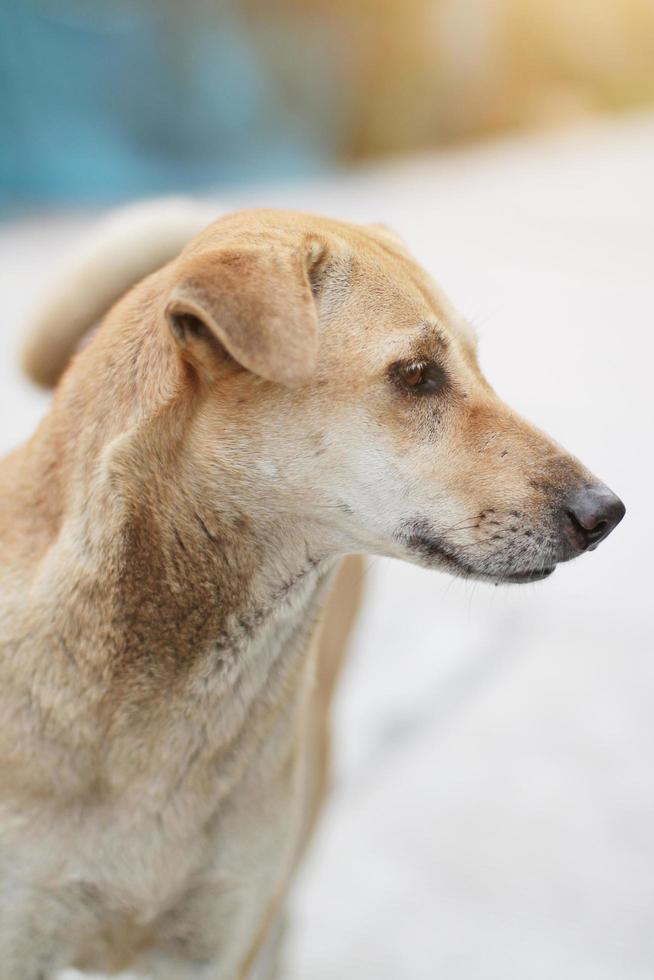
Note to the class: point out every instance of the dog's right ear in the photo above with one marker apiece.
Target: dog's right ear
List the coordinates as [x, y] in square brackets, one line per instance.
[253, 301]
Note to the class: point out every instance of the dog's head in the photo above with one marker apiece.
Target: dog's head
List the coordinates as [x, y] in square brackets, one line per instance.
[341, 386]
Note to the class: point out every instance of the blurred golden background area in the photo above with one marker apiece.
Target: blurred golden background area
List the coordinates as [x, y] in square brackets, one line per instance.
[424, 72]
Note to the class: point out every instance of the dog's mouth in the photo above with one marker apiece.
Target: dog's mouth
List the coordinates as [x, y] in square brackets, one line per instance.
[435, 551]
[523, 577]
[534, 575]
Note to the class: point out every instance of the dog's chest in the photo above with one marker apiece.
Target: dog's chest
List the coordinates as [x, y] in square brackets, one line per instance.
[203, 892]
[187, 857]
[134, 889]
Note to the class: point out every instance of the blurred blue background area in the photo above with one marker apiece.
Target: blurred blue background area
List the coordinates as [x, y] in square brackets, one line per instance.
[105, 101]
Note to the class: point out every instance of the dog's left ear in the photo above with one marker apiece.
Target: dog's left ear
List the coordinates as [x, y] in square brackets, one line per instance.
[254, 301]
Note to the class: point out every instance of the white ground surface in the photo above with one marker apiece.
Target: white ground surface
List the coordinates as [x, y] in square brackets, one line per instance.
[493, 813]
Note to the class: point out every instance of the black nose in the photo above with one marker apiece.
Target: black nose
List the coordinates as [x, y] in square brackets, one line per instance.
[592, 513]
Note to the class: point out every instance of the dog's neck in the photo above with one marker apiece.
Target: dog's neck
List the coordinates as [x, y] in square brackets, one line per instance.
[185, 578]
[174, 602]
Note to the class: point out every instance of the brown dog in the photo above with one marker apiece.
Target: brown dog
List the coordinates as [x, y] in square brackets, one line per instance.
[287, 391]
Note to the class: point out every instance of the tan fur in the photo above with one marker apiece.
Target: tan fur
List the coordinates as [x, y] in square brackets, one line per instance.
[233, 430]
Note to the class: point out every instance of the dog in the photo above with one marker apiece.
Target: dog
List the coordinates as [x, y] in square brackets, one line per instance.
[286, 391]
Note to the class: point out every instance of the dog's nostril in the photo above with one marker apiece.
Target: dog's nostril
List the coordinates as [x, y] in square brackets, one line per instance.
[573, 518]
[588, 528]
[577, 532]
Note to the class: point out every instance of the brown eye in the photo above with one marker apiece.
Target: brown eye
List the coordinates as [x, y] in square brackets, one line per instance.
[420, 377]
[412, 374]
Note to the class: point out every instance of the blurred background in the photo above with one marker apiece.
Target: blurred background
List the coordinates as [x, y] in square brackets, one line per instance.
[493, 808]
[103, 100]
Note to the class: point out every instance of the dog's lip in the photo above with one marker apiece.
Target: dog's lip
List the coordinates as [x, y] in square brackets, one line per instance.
[432, 547]
[531, 575]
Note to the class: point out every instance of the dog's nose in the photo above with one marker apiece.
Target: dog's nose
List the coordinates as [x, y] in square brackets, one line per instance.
[592, 513]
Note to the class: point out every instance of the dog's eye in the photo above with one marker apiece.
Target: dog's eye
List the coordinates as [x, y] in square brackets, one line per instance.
[420, 377]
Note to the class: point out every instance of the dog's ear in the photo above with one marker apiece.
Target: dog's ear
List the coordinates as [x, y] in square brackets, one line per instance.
[253, 301]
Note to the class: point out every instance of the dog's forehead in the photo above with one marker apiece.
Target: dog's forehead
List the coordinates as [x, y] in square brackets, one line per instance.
[375, 270]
